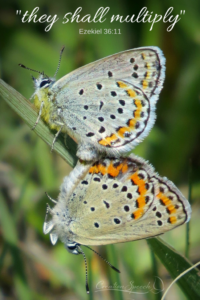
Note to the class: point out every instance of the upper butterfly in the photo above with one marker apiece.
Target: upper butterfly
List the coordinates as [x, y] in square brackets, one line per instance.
[107, 106]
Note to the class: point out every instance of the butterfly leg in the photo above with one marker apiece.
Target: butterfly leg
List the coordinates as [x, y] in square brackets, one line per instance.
[39, 115]
[48, 225]
[55, 137]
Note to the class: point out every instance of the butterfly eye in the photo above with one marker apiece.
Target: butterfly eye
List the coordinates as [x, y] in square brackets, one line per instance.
[72, 248]
[45, 82]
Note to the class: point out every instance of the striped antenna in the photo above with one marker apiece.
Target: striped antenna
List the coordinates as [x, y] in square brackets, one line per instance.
[86, 272]
[104, 259]
[23, 66]
[61, 52]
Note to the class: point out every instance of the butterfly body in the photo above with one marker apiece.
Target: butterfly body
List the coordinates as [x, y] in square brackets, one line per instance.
[107, 106]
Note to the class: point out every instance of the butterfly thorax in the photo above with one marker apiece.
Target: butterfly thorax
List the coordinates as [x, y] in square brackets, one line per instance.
[43, 94]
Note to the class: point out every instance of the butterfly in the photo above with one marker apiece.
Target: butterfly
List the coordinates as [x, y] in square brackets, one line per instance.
[107, 106]
[114, 200]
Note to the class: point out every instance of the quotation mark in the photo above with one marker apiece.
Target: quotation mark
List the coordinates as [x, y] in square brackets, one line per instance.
[18, 12]
[182, 12]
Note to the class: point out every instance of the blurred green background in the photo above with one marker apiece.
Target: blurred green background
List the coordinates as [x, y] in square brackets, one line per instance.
[28, 169]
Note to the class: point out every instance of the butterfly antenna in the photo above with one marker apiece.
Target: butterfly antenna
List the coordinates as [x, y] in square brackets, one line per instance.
[86, 272]
[61, 52]
[54, 201]
[23, 66]
[104, 259]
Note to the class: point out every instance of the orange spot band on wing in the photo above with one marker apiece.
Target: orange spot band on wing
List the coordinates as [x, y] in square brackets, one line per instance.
[111, 169]
[141, 190]
[132, 122]
[93, 169]
[167, 202]
[122, 130]
[102, 169]
[138, 103]
[121, 84]
[143, 55]
[172, 220]
[138, 213]
[137, 113]
[107, 141]
[98, 169]
[124, 168]
[140, 183]
[141, 201]
[147, 75]
[114, 171]
[131, 93]
[148, 65]
[171, 209]
[144, 84]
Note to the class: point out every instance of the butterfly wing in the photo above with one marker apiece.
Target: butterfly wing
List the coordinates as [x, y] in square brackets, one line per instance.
[130, 65]
[123, 200]
[110, 103]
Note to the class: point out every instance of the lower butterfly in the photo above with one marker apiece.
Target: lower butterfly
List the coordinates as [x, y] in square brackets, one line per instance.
[107, 106]
[114, 200]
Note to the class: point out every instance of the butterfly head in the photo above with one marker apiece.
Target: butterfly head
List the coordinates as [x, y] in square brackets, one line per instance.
[57, 224]
[72, 247]
[43, 82]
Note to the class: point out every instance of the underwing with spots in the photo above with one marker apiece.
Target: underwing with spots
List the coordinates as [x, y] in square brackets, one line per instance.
[114, 200]
[107, 106]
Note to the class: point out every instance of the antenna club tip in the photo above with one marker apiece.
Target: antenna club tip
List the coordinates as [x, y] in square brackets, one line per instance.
[22, 66]
[115, 269]
[87, 288]
[62, 49]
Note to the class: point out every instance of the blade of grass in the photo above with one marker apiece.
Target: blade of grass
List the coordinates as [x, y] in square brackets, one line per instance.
[157, 286]
[91, 296]
[115, 277]
[10, 235]
[26, 110]
[177, 278]
[175, 263]
[189, 199]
